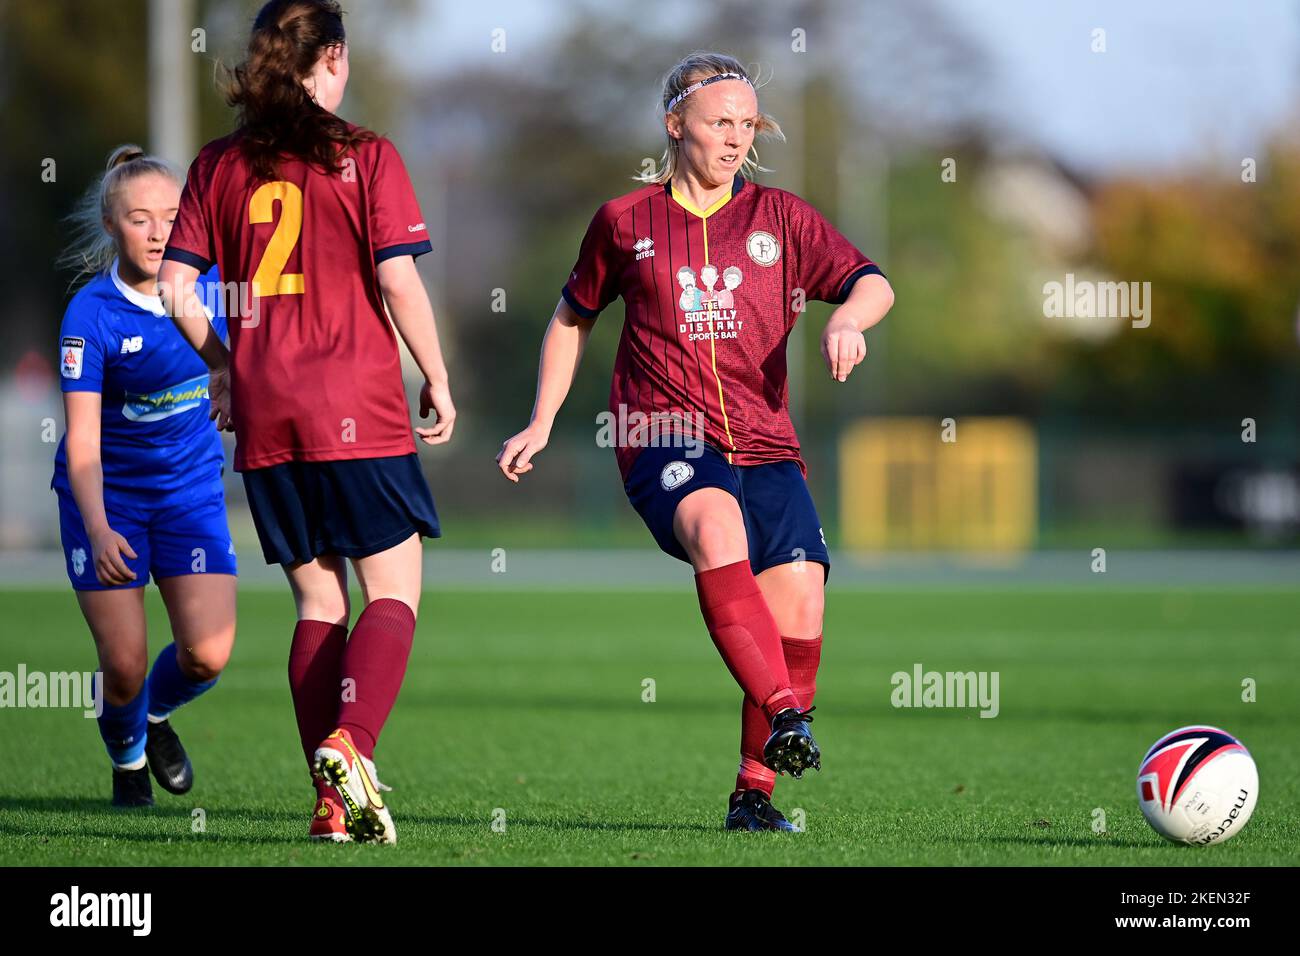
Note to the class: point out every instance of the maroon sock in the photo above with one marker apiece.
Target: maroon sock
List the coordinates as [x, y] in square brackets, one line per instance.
[802, 658]
[315, 658]
[755, 728]
[375, 661]
[744, 631]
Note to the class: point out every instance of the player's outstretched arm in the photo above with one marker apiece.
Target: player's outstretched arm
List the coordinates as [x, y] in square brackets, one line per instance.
[176, 289]
[408, 304]
[843, 344]
[562, 348]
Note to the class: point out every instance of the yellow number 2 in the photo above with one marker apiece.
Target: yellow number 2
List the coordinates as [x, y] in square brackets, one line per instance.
[270, 277]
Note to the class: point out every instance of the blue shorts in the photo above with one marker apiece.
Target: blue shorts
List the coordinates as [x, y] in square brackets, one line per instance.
[353, 508]
[169, 537]
[781, 521]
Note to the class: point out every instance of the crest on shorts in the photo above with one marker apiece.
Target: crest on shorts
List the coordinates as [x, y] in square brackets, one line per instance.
[675, 474]
[763, 247]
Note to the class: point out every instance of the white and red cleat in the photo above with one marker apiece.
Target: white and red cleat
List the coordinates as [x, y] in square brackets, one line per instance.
[329, 821]
[338, 763]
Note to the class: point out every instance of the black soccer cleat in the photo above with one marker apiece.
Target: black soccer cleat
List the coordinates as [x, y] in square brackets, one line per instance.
[131, 788]
[167, 759]
[752, 810]
[791, 748]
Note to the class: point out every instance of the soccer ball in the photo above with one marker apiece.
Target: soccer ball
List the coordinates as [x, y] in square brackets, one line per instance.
[1197, 785]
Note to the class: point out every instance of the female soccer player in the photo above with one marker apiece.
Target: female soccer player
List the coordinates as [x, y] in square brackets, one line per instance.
[730, 498]
[318, 220]
[138, 477]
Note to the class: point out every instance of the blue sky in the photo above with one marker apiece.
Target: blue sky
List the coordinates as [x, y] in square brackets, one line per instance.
[1179, 79]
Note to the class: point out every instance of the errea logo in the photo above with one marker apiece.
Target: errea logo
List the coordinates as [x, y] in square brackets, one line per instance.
[644, 248]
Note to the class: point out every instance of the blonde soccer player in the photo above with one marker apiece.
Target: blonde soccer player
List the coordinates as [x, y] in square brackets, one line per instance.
[714, 269]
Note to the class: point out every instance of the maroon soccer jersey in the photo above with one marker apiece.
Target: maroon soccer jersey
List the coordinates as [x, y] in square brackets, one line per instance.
[711, 297]
[315, 370]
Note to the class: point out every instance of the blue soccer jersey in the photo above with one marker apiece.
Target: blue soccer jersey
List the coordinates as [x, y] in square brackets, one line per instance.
[157, 440]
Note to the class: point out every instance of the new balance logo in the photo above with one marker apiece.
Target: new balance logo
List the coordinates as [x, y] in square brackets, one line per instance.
[132, 343]
[644, 248]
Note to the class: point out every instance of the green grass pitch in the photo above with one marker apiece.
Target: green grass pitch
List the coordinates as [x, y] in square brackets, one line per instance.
[528, 706]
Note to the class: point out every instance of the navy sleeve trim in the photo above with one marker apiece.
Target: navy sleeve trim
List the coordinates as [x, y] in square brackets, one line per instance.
[847, 287]
[187, 257]
[577, 306]
[404, 249]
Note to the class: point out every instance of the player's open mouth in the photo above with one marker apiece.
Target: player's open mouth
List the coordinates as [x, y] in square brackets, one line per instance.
[730, 160]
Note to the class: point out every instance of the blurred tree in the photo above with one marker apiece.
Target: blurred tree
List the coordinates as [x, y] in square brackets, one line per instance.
[72, 86]
[1220, 255]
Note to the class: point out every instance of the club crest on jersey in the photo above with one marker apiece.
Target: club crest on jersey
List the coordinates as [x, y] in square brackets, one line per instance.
[763, 247]
[71, 351]
[645, 248]
[132, 343]
[675, 474]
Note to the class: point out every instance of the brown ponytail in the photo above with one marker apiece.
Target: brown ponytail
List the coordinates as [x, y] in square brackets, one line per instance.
[276, 114]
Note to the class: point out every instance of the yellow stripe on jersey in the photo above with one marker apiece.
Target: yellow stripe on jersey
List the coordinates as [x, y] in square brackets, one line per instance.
[704, 215]
[713, 345]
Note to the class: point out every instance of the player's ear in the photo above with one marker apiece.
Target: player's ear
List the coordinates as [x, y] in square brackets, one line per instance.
[334, 57]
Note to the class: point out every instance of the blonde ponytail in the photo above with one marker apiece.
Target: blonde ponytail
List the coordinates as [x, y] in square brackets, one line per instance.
[91, 249]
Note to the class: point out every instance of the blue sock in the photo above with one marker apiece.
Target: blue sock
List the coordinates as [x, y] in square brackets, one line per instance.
[123, 729]
[169, 688]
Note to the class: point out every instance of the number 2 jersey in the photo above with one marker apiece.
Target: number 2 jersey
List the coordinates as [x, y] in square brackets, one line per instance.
[711, 297]
[315, 369]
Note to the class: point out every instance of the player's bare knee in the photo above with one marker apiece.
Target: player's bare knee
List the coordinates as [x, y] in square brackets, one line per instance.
[203, 663]
[805, 616]
[714, 541]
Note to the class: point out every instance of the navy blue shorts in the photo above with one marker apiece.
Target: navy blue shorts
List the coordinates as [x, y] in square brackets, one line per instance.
[781, 521]
[170, 537]
[352, 508]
